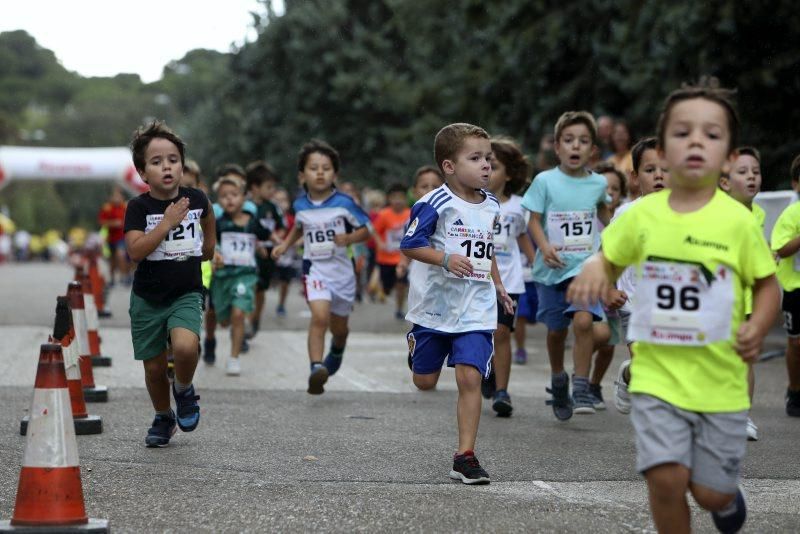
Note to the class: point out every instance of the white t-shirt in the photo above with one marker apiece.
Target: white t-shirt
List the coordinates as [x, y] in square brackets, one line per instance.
[507, 229]
[626, 281]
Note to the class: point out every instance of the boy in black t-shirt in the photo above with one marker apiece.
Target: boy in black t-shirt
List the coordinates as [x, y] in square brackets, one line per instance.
[168, 231]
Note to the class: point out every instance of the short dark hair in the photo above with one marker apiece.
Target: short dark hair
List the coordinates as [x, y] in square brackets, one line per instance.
[569, 118]
[320, 146]
[397, 188]
[749, 151]
[155, 130]
[230, 168]
[517, 165]
[638, 150]
[606, 166]
[258, 172]
[707, 88]
[451, 138]
[794, 169]
[425, 169]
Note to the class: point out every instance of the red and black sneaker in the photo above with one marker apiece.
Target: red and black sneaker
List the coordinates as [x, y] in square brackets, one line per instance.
[467, 469]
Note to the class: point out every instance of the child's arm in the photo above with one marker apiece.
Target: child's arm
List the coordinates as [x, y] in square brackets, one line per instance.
[604, 213]
[548, 251]
[356, 236]
[455, 263]
[140, 244]
[766, 302]
[294, 234]
[209, 226]
[526, 247]
[594, 280]
[502, 294]
[789, 248]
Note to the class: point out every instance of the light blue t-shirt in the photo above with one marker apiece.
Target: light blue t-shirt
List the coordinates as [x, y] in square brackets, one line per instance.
[569, 212]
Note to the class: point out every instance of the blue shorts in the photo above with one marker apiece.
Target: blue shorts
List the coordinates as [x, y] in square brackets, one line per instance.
[528, 303]
[429, 348]
[554, 310]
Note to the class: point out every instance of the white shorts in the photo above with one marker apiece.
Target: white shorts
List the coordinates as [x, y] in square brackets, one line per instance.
[319, 289]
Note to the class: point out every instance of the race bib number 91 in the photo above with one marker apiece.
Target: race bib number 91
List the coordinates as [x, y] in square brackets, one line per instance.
[477, 245]
[682, 304]
[572, 231]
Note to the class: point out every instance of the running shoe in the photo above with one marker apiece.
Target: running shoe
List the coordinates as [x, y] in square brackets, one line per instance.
[752, 430]
[209, 351]
[163, 429]
[233, 367]
[793, 403]
[280, 311]
[622, 399]
[502, 403]
[582, 401]
[245, 347]
[187, 409]
[596, 391]
[731, 519]
[489, 386]
[468, 470]
[400, 316]
[520, 356]
[317, 378]
[560, 401]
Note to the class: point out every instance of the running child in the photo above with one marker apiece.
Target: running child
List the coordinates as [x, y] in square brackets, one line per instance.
[692, 340]
[389, 225]
[454, 283]
[510, 171]
[112, 218]
[564, 203]
[426, 179]
[528, 304]
[285, 270]
[786, 245]
[233, 285]
[328, 221]
[168, 231]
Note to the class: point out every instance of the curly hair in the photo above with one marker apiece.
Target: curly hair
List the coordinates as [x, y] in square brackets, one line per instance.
[518, 166]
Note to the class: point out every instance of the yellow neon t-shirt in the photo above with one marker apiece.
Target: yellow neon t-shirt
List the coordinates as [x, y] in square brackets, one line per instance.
[786, 228]
[723, 238]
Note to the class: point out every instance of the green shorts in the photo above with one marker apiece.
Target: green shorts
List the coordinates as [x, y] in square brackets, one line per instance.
[233, 291]
[151, 323]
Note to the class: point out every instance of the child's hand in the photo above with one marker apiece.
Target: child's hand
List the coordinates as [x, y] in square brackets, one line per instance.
[262, 252]
[341, 240]
[459, 265]
[504, 300]
[176, 212]
[590, 285]
[748, 342]
[615, 299]
[401, 269]
[218, 262]
[551, 258]
[278, 251]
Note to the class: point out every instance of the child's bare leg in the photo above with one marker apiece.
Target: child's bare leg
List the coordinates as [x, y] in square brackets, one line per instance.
[400, 294]
[155, 378]
[320, 319]
[502, 356]
[237, 331]
[282, 293]
[427, 381]
[556, 340]
[260, 301]
[667, 485]
[468, 380]
[339, 330]
[602, 361]
[519, 332]
[185, 351]
[582, 325]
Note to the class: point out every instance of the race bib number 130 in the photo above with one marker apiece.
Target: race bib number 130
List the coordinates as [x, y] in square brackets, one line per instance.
[477, 245]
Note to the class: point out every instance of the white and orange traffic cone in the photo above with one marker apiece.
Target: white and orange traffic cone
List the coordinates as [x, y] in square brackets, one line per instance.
[92, 323]
[64, 334]
[91, 391]
[50, 494]
[98, 284]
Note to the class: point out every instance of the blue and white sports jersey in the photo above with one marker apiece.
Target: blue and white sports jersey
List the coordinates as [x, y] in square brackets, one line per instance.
[321, 222]
[509, 227]
[436, 298]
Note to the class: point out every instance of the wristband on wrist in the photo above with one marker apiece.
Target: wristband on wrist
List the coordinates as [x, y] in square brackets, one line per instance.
[445, 261]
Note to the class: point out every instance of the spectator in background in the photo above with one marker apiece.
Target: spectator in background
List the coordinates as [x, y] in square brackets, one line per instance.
[112, 218]
[546, 158]
[605, 131]
[621, 145]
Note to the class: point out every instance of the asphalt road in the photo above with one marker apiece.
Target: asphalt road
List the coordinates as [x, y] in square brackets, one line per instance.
[372, 454]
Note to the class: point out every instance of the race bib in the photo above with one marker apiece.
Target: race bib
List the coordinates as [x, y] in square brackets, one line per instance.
[393, 239]
[183, 241]
[319, 243]
[477, 244]
[682, 304]
[239, 248]
[572, 231]
[502, 236]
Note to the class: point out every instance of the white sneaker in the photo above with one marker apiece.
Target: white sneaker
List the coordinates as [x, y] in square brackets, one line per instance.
[622, 399]
[233, 367]
[752, 430]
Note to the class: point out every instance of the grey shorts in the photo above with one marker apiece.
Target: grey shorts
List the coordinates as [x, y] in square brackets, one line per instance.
[711, 445]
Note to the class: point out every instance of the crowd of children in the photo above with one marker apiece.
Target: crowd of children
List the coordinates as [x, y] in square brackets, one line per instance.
[481, 252]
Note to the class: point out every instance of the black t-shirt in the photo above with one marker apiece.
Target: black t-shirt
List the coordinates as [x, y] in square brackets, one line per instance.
[173, 269]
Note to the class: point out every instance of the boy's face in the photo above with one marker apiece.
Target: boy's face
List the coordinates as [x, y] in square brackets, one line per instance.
[266, 190]
[613, 189]
[230, 198]
[318, 174]
[744, 179]
[696, 140]
[652, 175]
[498, 178]
[163, 169]
[426, 183]
[189, 179]
[471, 166]
[397, 201]
[574, 148]
[281, 199]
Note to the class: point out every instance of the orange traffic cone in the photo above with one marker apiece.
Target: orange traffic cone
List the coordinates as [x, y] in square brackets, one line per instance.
[91, 392]
[98, 284]
[92, 324]
[49, 493]
[64, 334]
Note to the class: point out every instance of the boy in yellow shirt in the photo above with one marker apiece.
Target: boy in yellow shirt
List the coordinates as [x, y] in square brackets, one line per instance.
[693, 345]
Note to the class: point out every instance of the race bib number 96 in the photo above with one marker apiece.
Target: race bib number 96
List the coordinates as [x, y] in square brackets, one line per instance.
[682, 304]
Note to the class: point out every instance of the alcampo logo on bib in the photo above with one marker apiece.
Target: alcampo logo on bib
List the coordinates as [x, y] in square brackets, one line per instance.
[702, 243]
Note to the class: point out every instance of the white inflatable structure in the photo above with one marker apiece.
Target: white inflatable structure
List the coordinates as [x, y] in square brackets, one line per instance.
[20, 163]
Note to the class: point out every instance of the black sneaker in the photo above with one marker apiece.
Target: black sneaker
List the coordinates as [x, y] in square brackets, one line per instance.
[164, 427]
[560, 401]
[792, 403]
[596, 391]
[468, 470]
[317, 379]
[489, 386]
[502, 403]
[209, 351]
[730, 521]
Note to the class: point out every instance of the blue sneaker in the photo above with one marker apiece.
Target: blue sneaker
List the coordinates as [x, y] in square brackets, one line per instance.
[245, 347]
[187, 408]
[280, 311]
[502, 403]
[561, 403]
[583, 401]
[731, 519]
[317, 379]
[162, 430]
[332, 363]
